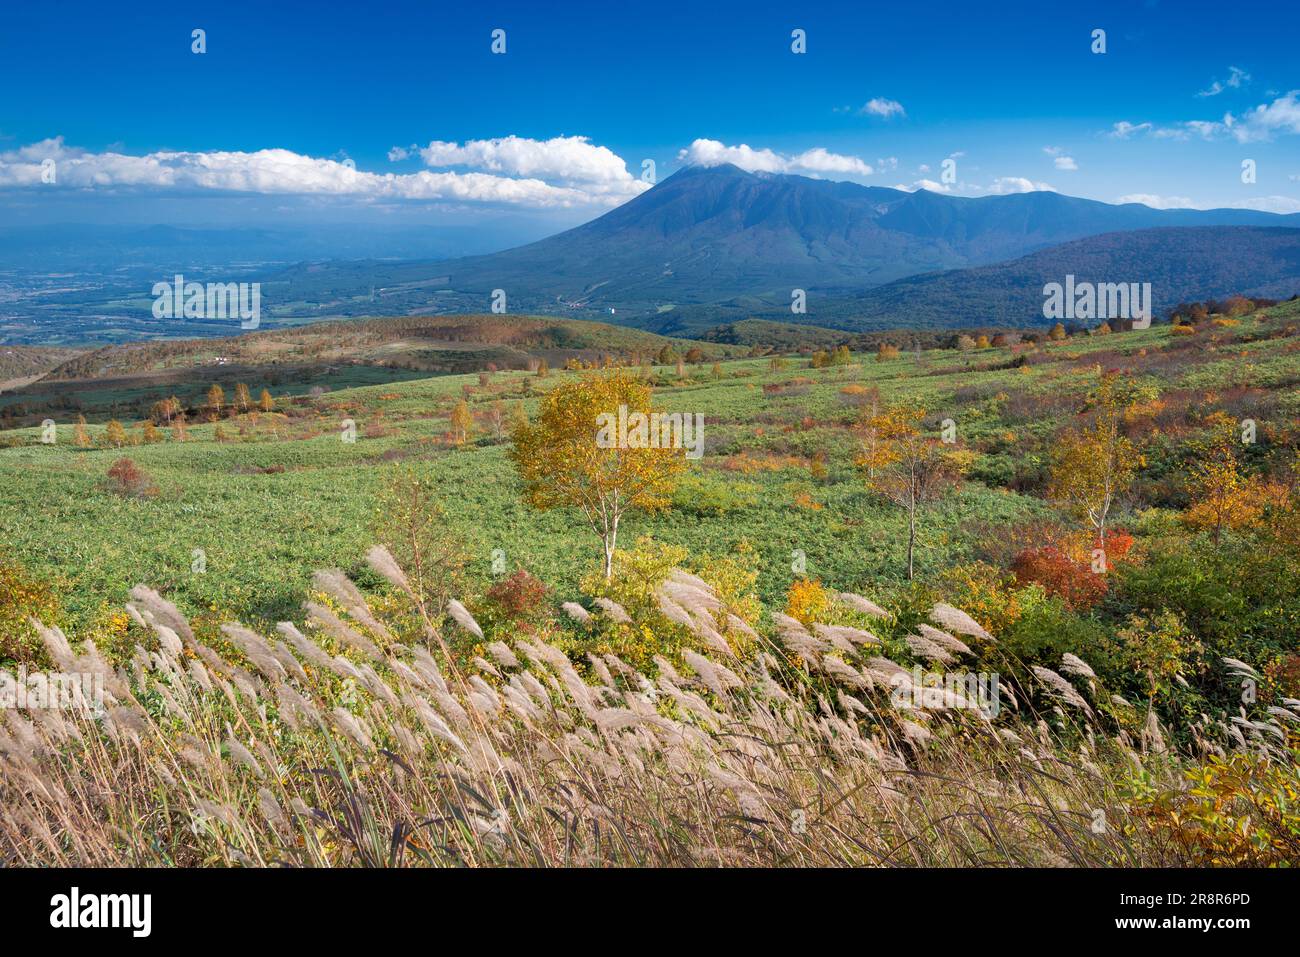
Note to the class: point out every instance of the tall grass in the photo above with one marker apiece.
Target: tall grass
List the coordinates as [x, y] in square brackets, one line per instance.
[348, 748]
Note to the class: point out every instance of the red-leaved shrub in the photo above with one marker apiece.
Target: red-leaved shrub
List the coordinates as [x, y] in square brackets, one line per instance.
[1075, 583]
[127, 478]
[518, 596]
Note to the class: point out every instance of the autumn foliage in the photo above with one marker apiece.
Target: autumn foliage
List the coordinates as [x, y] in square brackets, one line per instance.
[563, 465]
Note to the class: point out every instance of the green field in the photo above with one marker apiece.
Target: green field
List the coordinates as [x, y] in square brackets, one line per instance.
[263, 534]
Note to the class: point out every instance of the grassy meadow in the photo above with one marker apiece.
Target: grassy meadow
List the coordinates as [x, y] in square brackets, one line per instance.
[768, 531]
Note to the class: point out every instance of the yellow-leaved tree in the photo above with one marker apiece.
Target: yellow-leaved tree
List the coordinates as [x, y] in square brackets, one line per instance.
[1222, 496]
[1094, 466]
[908, 465]
[563, 464]
[462, 422]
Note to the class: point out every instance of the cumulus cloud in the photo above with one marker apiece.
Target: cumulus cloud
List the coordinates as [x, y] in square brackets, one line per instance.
[704, 152]
[882, 107]
[1266, 120]
[280, 171]
[1061, 160]
[566, 160]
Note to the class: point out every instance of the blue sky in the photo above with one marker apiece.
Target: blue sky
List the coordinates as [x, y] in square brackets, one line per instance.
[553, 132]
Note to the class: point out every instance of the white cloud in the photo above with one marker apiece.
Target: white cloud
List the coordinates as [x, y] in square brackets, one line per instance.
[927, 184]
[1282, 116]
[1270, 204]
[1124, 129]
[1157, 202]
[280, 171]
[888, 164]
[1018, 184]
[1001, 186]
[1205, 129]
[1267, 204]
[704, 152]
[567, 160]
[882, 107]
[1266, 120]
[1061, 160]
[1237, 78]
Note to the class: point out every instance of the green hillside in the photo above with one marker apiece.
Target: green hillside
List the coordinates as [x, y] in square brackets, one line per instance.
[281, 495]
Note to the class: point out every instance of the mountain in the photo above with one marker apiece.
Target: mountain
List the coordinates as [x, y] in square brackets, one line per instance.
[1183, 264]
[724, 242]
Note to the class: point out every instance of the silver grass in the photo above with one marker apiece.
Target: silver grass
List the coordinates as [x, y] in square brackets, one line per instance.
[923, 647]
[614, 611]
[339, 587]
[487, 691]
[576, 612]
[954, 619]
[305, 646]
[600, 670]
[837, 668]
[427, 668]
[255, 649]
[162, 610]
[352, 726]
[1063, 688]
[270, 809]
[845, 633]
[381, 561]
[338, 629]
[739, 624]
[503, 655]
[1076, 667]
[860, 604]
[943, 639]
[460, 614]
[718, 678]
[241, 755]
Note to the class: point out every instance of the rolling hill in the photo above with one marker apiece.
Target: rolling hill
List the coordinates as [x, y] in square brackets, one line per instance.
[1182, 264]
[129, 378]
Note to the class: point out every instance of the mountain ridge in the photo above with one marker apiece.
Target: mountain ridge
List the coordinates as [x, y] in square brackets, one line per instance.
[708, 235]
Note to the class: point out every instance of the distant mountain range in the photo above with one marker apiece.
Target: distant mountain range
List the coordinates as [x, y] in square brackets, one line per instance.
[708, 246]
[1183, 264]
[712, 244]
